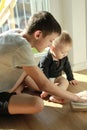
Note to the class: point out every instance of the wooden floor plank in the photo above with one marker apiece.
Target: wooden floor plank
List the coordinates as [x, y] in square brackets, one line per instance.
[53, 117]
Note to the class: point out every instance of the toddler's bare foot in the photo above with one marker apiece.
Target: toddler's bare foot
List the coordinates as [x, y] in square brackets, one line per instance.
[43, 94]
[55, 100]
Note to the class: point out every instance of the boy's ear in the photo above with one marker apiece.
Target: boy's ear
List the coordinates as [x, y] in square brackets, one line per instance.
[37, 34]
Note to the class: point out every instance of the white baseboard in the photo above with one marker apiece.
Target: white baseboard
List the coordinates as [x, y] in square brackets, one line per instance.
[80, 66]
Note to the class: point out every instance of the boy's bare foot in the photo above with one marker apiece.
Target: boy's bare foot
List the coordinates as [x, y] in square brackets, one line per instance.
[53, 99]
[44, 94]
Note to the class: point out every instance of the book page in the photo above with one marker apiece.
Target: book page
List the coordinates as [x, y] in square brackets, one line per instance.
[82, 94]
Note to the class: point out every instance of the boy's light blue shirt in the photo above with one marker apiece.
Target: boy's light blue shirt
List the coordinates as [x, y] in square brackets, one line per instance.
[15, 52]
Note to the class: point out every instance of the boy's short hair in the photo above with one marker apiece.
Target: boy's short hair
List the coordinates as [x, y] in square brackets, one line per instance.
[43, 21]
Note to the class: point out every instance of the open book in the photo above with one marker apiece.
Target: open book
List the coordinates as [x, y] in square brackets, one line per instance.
[80, 106]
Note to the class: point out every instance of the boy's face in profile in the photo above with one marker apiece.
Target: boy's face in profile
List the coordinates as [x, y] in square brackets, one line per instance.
[61, 50]
[44, 42]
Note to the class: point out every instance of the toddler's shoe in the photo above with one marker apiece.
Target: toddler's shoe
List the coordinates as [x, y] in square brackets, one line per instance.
[43, 94]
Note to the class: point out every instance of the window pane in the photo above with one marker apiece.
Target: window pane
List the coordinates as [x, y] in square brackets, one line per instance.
[21, 13]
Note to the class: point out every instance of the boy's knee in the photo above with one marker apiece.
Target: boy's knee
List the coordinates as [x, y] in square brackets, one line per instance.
[38, 104]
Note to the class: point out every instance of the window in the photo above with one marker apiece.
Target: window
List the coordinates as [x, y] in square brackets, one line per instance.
[22, 12]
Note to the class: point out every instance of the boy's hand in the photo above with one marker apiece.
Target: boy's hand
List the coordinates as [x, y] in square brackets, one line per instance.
[82, 94]
[81, 99]
[73, 82]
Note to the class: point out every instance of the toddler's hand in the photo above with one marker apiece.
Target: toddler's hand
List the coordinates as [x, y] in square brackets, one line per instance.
[73, 82]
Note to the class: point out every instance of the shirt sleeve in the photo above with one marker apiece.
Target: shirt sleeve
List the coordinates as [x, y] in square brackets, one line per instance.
[23, 56]
[68, 70]
[44, 64]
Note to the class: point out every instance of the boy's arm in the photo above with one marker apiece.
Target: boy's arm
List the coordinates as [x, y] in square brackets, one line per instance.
[45, 85]
[18, 83]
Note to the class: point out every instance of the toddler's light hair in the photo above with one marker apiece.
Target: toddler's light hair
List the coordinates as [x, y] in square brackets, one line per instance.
[64, 38]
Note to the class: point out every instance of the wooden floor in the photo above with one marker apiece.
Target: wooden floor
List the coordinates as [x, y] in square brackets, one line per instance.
[53, 117]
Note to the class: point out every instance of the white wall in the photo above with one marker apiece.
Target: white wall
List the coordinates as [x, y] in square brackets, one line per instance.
[79, 33]
[56, 9]
[72, 16]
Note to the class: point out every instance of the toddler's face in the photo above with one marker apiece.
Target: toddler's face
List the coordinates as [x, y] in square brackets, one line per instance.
[61, 51]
